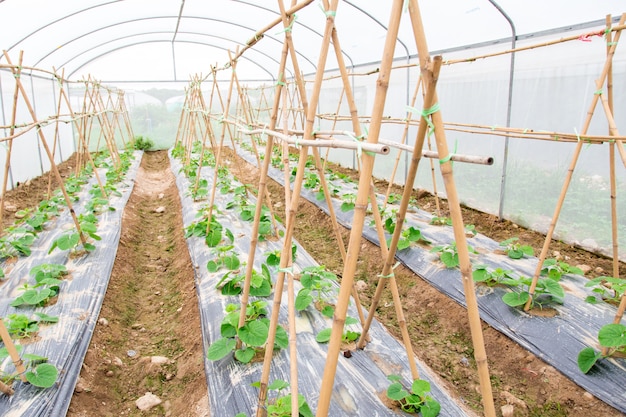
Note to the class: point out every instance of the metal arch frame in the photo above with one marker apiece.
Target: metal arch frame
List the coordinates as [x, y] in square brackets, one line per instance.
[172, 41]
[151, 33]
[165, 41]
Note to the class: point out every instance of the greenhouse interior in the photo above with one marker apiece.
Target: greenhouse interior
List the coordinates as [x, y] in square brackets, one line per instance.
[312, 208]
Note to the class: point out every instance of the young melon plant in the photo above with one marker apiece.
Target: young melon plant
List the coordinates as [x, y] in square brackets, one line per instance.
[546, 291]
[281, 405]
[449, 255]
[260, 284]
[226, 258]
[492, 277]
[319, 288]
[556, 269]
[416, 400]
[612, 337]
[611, 289]
[516, 250]
[253, 334]
[39, 373]
[21, 326]
[346, 337]
[273, 257]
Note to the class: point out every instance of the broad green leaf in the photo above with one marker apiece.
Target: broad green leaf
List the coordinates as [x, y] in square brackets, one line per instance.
[515, 253]
[263, 291]
[591, 299]
[420, 387]
[323, 336]
[282, 338]
[515, 299]
[34, 297]
[347, 207]
[328, 311]
[265, 228]
[554, 288]
[587, 358]
[68, 241]
[351, 320]
[396, 392]
[245, 355]
[277, 385]
[212, 266]
[253, 333]
[44, 318]
[228, 330]
[220, 348]
[430, 408]
[481, 275]
[273, 259]
[214, 237]
[612, 335]
[43, 376]
[450, 260]
[403, 244]
[303, 299]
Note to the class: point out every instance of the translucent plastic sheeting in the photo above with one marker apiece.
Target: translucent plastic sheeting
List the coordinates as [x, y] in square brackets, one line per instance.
[555, 340]
[360, 380]
[78, 305]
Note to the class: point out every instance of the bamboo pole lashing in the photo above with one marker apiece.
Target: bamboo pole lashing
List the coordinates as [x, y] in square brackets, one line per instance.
[7, 164]
[53, 166]
[363, 193]
[570, 171]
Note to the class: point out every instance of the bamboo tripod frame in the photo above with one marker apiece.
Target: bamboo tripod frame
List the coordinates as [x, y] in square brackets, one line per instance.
[286, 106]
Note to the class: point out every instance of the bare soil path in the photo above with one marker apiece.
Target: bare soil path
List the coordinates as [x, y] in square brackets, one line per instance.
[148, 336]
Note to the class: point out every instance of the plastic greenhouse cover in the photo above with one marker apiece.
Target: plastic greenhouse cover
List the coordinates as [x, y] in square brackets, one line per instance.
[359, 380]
[154, 40]
[81, 294]
[556, 340]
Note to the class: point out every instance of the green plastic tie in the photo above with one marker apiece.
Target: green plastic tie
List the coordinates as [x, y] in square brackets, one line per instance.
[359, 145]
[611, 43]
[288, 28]
[449, 157]
[405, 6]
[288, 270]
[328, 13]
[598, 92]
[391, 275]
[279, 82]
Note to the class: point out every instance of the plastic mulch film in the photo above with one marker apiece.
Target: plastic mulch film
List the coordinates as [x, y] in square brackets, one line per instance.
[556, 340]
[82, 291]
[361, 380]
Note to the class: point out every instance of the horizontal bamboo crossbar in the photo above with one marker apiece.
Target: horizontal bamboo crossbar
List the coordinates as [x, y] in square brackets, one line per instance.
[328, 142]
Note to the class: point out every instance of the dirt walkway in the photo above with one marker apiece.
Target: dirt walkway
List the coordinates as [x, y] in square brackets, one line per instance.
[148, 336]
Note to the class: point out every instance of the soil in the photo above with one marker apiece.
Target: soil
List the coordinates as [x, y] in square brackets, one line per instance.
[150, 308]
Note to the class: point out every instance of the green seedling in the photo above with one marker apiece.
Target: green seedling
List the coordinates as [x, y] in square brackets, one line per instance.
[515, 250]
[556, 269]
[441, 221]
[216, 233]
[273, 257]
[493, 277]
[610, 289]
[346, 337]
[38, 372]
[448, 254]
[71, 241]
[416, 400]
[281, 405]
[547, 290]
[142, 144]
[408, 236]
[199, 192]
[319, 288]
[17, 241]
[612, 337]
[253, 334]
[349, 200]
[260, 284]
[226, 258]
[311, 180]
[47, 284]
[21, 326]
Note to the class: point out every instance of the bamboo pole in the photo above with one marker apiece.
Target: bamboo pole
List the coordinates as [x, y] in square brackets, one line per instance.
[480, 354]
[47, 149]
[284, 258]
[363, 193]
[7, 163]
[570, 171]
[10, 346]
[296, 192]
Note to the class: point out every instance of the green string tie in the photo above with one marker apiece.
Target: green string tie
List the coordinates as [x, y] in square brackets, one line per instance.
[288, 28]
[391, 275]
[578, 138]
[359, 145]
[328, 13]
[288, 270]
[279, 82]
[405, 6]
[598, 92]
[611, 43]
[449, 157]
